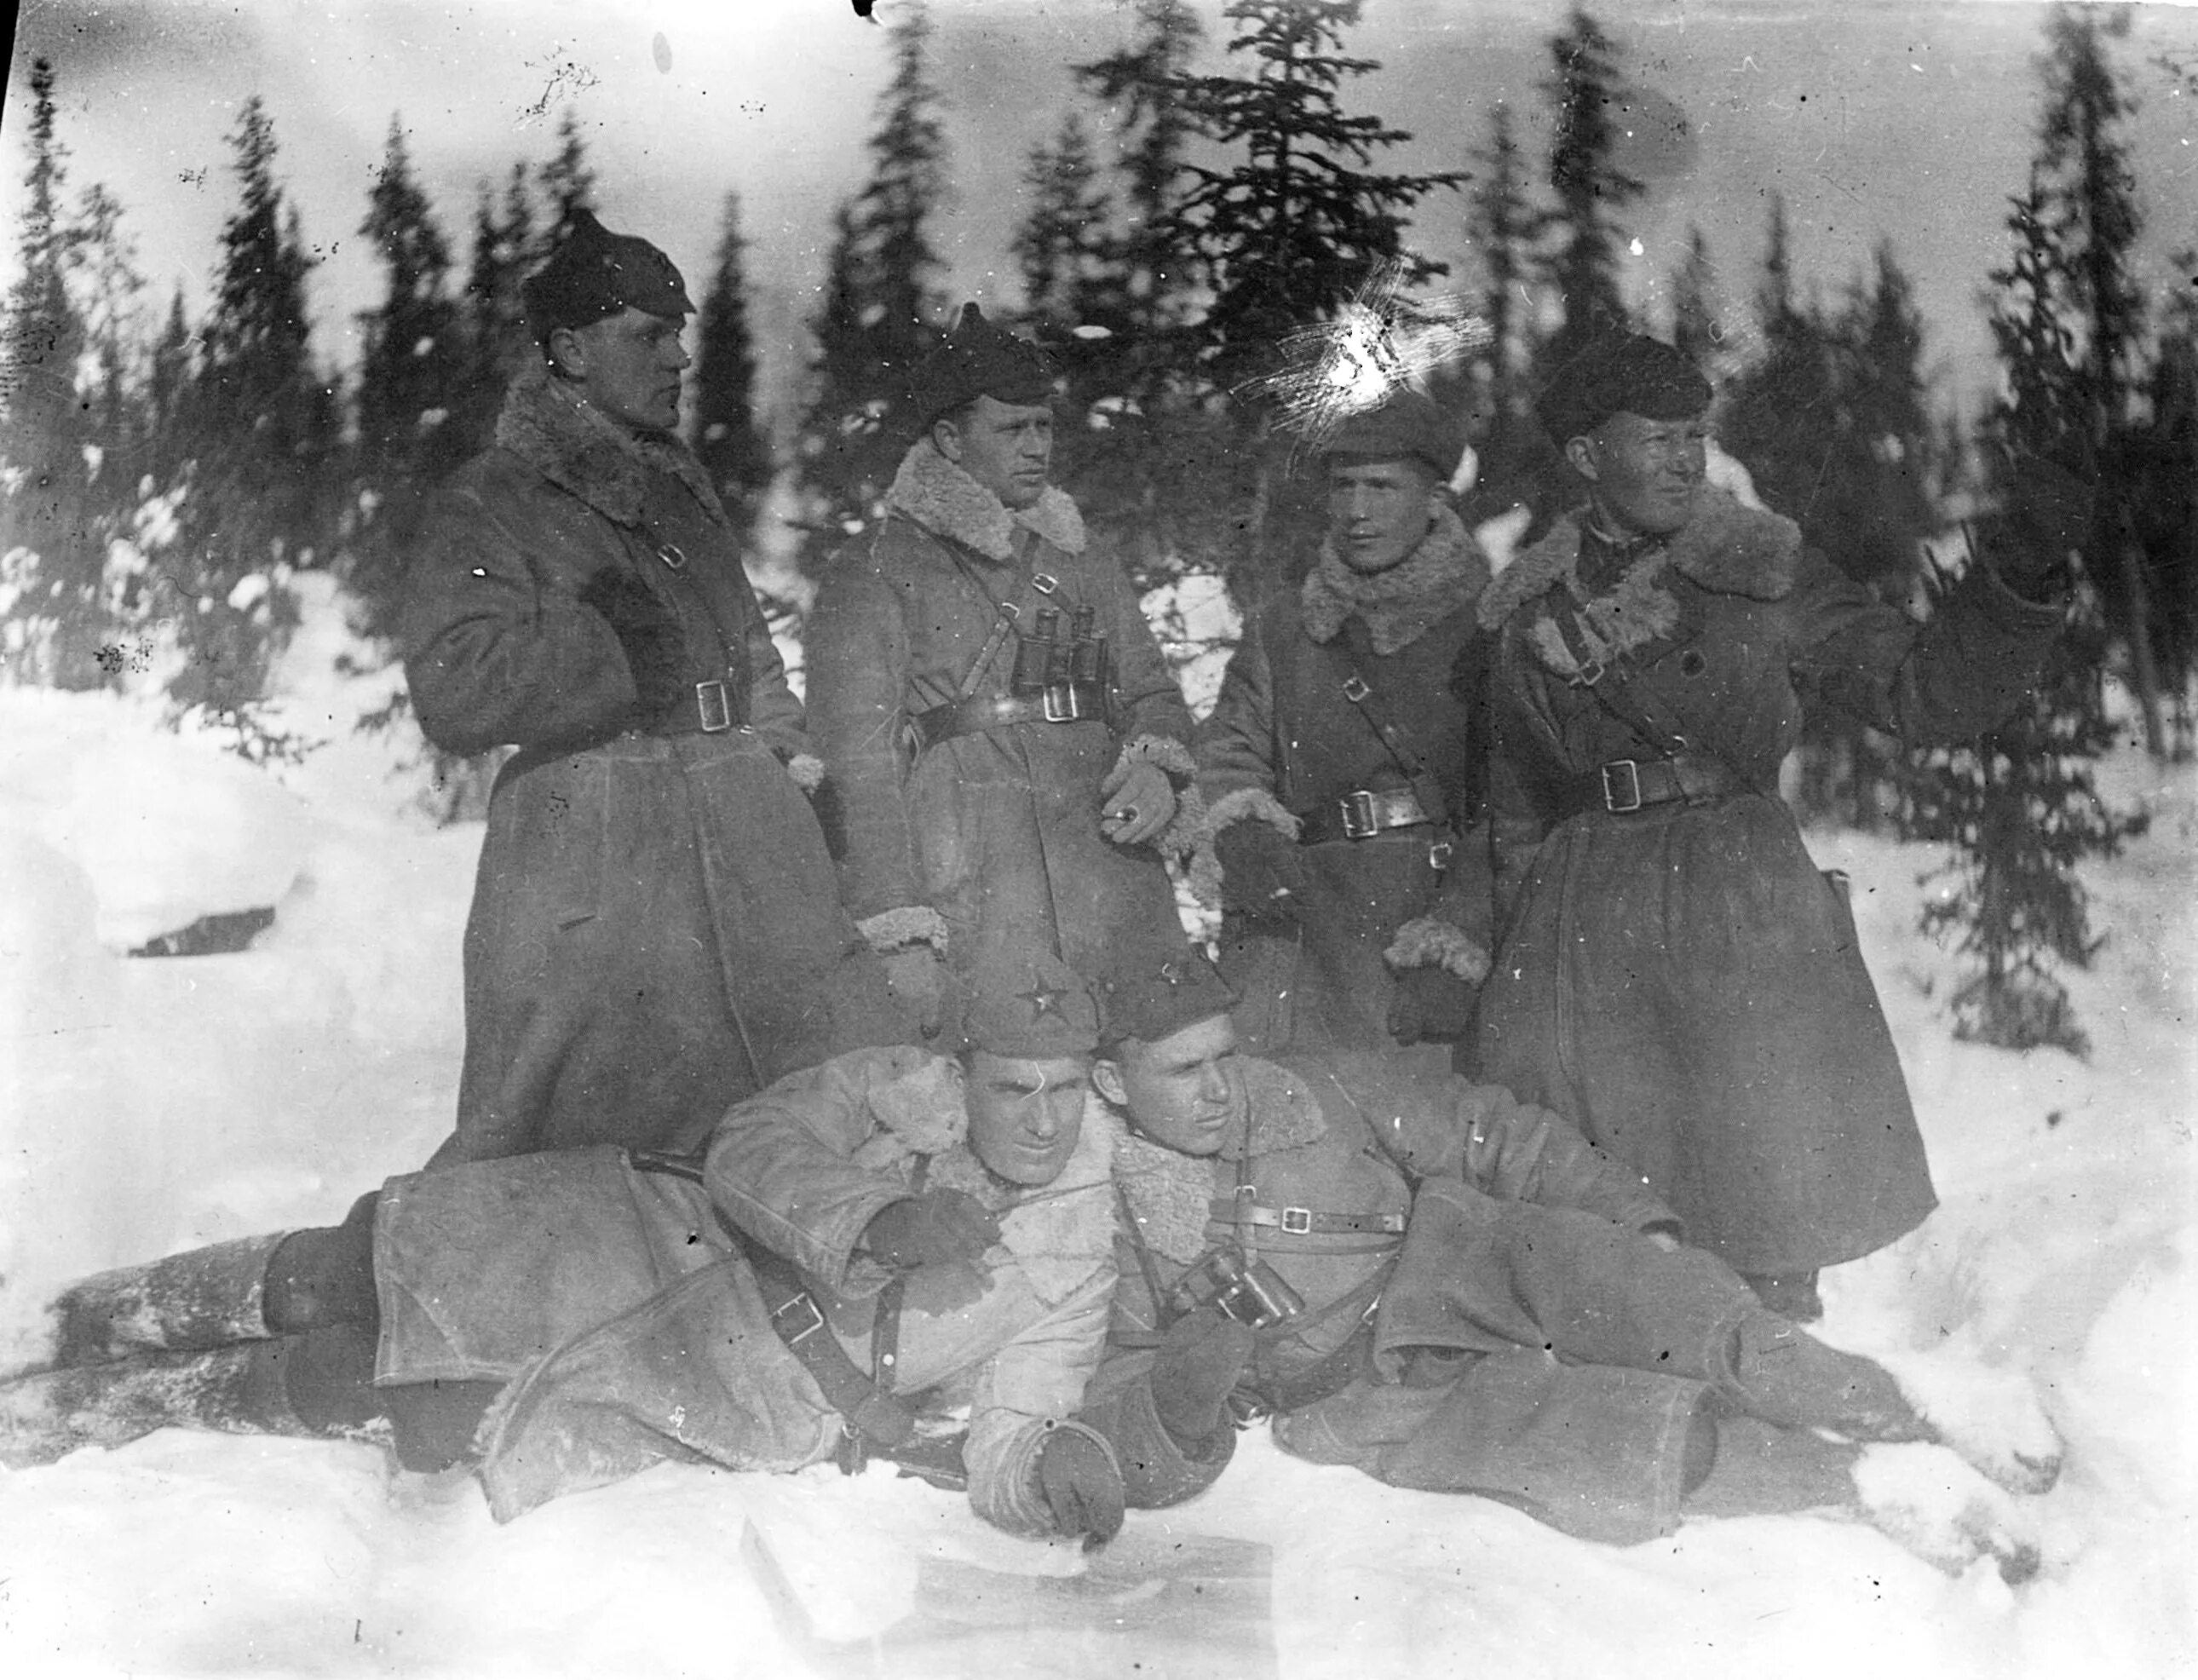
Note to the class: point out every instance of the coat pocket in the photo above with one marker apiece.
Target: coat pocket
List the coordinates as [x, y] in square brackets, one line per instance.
[558, 814]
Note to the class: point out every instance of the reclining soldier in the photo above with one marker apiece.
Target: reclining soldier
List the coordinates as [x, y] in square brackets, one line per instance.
[1536, 1332]
[887, 1223]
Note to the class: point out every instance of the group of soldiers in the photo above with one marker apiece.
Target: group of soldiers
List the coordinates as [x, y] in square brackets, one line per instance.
[845, 1086]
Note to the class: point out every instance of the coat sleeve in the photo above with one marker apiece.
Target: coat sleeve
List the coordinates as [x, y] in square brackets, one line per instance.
[780, 1166]
[497, 650]
[858, 657]
[1959, 675]
[1517, 825]
[773, 711]
[1235, 744]
[1027, 1390]
[1517, 1152]
[1147, 700]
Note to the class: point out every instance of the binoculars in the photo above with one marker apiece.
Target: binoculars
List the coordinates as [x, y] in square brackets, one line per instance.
[1253, 1293]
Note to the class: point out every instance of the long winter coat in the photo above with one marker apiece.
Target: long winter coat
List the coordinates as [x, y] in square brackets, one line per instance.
[1682, 981]
[1339, 1133]
[1284, 740]
[655, 928]
[628, 1327]
[992, 839]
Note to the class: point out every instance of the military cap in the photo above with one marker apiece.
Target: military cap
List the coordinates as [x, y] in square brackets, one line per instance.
[594, 273]
[1406, 424]
[1154, 1001]
[1033, 1005]
[1623, 373]
[978, 359]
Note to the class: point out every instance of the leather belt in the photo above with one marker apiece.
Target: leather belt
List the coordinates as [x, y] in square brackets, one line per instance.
[800, 1324]
[1078, 702]
[1305, 1221]
[709, 708]
[1360, 814]
[1625, 785]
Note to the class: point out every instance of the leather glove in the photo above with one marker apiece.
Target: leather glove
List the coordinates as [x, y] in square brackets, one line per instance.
[916, 977]
[1135, 802]
[1200, 1361]
[1431, 1006]
[930, 1229]
[1260, 868]
[1082, 1487]
[649, 633]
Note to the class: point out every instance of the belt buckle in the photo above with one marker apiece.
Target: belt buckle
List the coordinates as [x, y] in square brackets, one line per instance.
[1297, 1221]
[1060, 703]
[807, 1303]
[1438, 855]
[1359, 819]
[715, 709]
[1355, 689]
[1623, 805]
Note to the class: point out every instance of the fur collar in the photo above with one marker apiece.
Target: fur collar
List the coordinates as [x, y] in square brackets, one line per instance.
[546, 424]
[1170, 1195]
[1443, 573]
[1059, 1233]
[1725, 547]
[932, 492]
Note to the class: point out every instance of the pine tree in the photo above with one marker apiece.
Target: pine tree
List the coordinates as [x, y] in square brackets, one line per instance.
[1780, 414]
[1065, 247]
[881, 296]
[568, 185]
[496, 344]
[734, 450]
[2164, 501]
[412, 362]
[260, 427]
[1587, 93]
[1698, 323]
[1150, 86]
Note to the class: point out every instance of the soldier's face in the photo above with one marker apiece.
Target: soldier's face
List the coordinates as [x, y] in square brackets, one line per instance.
[1007, 447]
[1378, 511]
[1025, 1114]
[1644, 475]
[628, 366]
[1180, 1090]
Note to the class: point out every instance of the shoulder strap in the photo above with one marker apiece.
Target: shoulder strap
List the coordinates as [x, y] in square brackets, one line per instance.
[1396, 739]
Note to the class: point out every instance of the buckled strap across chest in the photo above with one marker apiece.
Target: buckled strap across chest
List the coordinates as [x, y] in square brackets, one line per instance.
[1305, 1221]
[1074, 702]
[1361, 814]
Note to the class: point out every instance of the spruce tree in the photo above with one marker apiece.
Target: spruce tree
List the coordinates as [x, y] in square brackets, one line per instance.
[567, 182]
[1698, 324]
[881, 298]
[1065, 247]
[733, 449]
[494, 317]
[1587, 93]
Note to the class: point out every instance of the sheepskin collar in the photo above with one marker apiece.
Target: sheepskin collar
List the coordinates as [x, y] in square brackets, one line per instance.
[546, 424]
[1059, 1233]
[932, 492]
[1446, 573]
[1725, 547]
[1170, 1194]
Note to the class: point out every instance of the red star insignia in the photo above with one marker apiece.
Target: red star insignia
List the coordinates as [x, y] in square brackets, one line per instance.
[1044, 1000]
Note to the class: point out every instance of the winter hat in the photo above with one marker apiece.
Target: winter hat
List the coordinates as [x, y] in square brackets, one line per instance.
[1032, 1005]
[1620, 373]
[1407, 424]
[978, 359]
[1150, 1002]
[594, 273]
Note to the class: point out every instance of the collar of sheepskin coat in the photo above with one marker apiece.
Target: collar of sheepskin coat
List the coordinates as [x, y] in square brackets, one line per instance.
[932, 492]
[1443, 573]
[1725, 547]
[1059, 1232]
[1171, 1195]
[545, 423]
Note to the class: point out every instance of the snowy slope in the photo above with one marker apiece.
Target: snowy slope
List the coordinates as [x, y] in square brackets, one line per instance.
[145, 1106]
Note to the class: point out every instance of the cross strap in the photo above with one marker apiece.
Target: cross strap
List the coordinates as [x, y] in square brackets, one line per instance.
[1405, 748]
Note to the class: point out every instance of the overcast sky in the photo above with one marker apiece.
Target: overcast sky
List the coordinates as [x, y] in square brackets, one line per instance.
[1876, 119]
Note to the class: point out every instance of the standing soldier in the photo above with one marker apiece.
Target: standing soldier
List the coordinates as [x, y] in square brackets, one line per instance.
[1006, 745]
[1674, 972]
[1341, 765]
[655, 928]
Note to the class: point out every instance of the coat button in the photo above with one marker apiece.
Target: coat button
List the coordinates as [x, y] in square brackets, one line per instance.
[1692, 663]
[672, 555]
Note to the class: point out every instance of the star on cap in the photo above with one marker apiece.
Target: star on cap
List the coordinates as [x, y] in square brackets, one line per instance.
[1045, 1000]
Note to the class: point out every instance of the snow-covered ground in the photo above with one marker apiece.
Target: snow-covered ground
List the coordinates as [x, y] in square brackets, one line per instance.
[149, 1105]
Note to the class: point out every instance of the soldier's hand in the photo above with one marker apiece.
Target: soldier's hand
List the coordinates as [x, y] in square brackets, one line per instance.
[649, 633]
[1082, 1487]
[916, 977]
[1431, 1006]
[1135, 802]
[1200, 1361]
[1260, 868]
[932, 1228]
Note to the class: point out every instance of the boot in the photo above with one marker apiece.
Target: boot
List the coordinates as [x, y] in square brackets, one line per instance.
[1354, 1426]
[236, 1389]
[203, 1299]
[1770, 1367]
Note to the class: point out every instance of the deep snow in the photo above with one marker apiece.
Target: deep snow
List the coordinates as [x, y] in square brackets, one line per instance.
[148, 1104]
